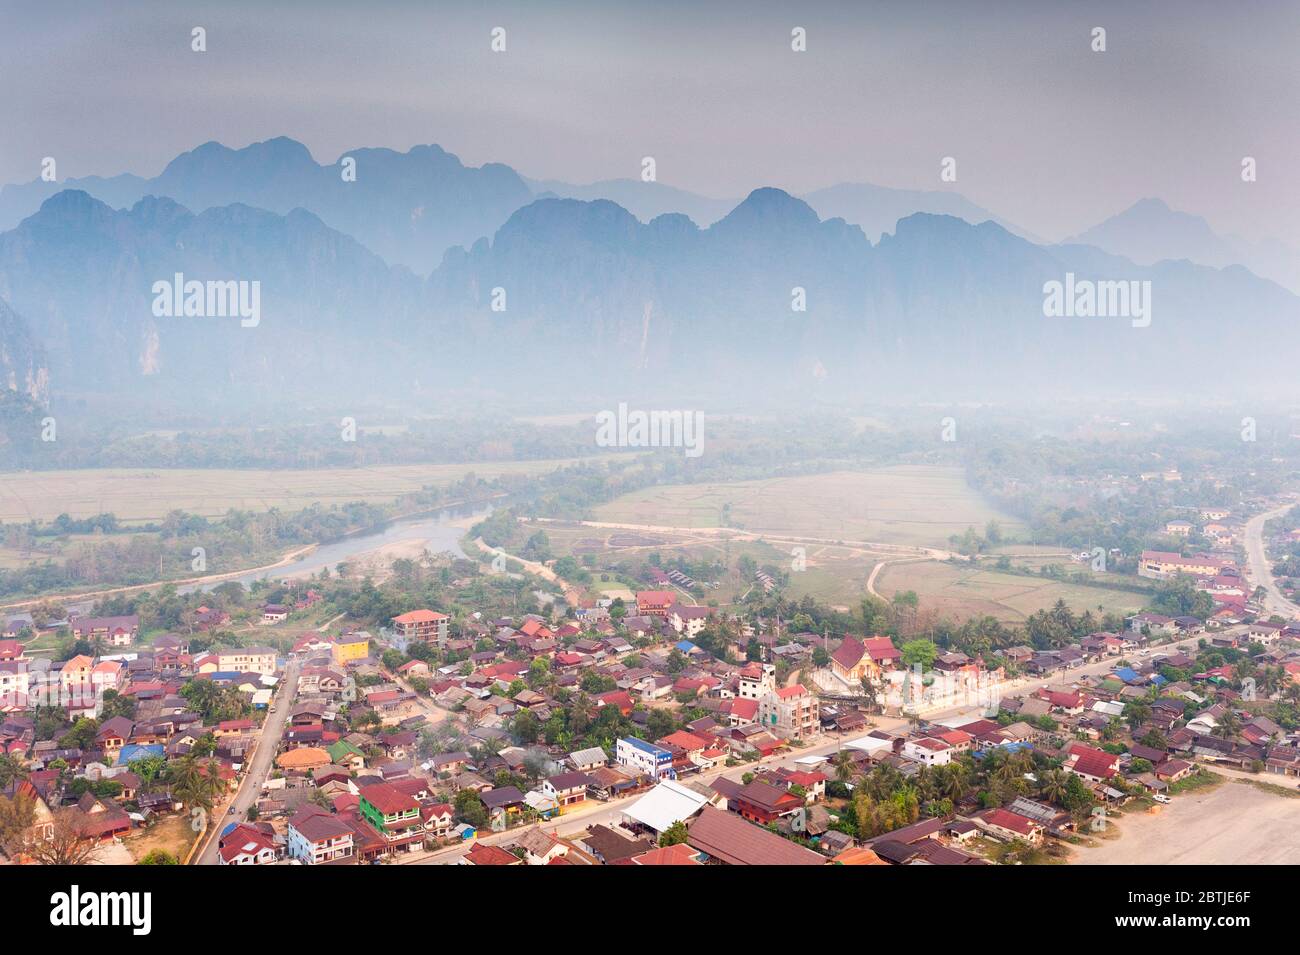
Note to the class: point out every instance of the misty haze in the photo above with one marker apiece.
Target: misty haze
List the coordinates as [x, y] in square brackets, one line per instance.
[589, 434]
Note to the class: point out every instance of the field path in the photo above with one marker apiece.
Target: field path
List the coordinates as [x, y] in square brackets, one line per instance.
[880, 565]
[916, 551]
[572, 595]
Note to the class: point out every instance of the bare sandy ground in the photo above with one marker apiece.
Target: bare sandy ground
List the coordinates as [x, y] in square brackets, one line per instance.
[378, 562]
[1234, 823]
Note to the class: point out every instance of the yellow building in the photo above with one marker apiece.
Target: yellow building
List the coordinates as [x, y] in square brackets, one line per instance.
[351, 647]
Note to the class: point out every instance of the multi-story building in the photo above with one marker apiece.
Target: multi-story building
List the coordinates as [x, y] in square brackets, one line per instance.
[247, 660]
[1161, 564]
[13, 684]
[394, 815]
[928, 750]
[756, 681]
[644, 758]
[115, 631]
[689, 621]
[790, 712]
[350, 647]
[654, 603]
[317, 836]
[427, 626]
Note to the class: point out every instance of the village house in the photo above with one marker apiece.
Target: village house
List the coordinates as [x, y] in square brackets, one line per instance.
[393, 814]
[1007, 825]
[316, 837]
[567, 789]
[273, 614]
[114, 631]
[250, 844]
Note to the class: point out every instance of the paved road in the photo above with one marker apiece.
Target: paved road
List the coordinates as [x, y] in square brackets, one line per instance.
[1259, 571]
[606, 813]
[267, 744]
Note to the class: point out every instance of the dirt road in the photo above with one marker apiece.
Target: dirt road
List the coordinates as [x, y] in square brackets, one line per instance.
[1259, 571]
[1232, 824]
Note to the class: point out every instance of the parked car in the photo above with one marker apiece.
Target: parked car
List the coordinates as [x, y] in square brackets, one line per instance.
[1161, 797]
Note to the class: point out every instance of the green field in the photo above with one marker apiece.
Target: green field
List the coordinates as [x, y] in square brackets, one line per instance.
[958, 592]
[147, 494]
[915, 505]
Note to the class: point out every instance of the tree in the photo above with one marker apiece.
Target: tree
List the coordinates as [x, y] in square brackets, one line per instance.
[869, 691]
[1179, 597]
[1053, 784]
[919, 652]
[10, 770]
[17, 814]
[66, 845]
[842, 763]
[1229, 726]
[470, 809]
[160, 857]
[524, 727]
[195, 783]
[674, 835]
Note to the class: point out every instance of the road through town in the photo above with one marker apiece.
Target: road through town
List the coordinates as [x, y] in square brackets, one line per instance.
[1259, 572]
[268, 742]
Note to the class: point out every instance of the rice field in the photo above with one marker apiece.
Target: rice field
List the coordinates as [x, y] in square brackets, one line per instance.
[147, 494]
[915, 505]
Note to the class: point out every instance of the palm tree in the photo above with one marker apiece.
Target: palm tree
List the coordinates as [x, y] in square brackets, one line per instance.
[1229, 726]
[1053, 784]
[195, 783]
[954, 783]
[842, 762]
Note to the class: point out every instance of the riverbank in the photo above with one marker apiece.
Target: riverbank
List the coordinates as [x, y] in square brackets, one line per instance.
[391, 536]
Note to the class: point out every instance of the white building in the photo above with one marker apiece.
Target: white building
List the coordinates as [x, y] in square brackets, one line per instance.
[316, 836]
[931, 752]
[644, 758]
[756, 681]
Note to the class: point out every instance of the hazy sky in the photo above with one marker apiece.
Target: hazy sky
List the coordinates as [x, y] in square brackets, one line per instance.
[1046, 133]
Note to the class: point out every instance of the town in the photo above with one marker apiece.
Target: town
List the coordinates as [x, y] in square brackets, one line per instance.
[645, 729]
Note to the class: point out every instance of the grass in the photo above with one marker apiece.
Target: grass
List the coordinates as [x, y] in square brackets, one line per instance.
[914, 505]
[173, 834]
[959, 591]
[910, 505]
[147, 494]
[1201, 779]
[1272, 788]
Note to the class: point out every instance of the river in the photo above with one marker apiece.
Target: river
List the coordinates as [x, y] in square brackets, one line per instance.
[437, 529]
